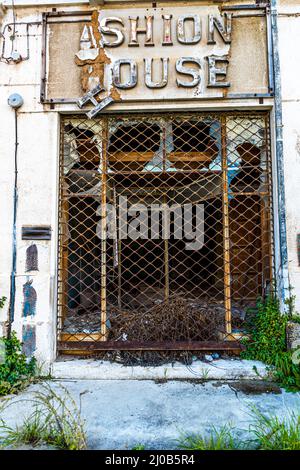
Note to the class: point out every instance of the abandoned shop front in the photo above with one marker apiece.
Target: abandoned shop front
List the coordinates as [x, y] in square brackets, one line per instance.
[152, 161]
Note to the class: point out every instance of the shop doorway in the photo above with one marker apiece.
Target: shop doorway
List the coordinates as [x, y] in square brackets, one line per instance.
[165, 230]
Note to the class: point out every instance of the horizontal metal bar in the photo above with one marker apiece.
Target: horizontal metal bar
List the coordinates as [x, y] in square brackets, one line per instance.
[250, 15]
[87, 195]
[167, 100]
[66, 22]
[42, 3]
[252, 6]
[149, 346]
[62, 101]
[56, 14]
[249, 95]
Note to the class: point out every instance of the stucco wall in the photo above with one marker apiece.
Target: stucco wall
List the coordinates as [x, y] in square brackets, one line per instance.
[289, 41]
[37, 170]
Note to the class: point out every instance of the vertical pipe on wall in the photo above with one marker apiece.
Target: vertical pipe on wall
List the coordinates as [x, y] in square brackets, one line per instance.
[12, 295]
[283, 284]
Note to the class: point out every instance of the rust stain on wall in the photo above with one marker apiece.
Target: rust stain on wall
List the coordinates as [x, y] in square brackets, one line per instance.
[28, 340]
[95, 68]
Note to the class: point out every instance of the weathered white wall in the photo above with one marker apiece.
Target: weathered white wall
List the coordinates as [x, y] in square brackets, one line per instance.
[37, 173]
[289, 41]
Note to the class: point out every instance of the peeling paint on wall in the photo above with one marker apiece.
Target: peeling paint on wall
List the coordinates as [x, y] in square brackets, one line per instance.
[28, 340]
[92, 68]
[29, 299]
[31, 258]
[298, 145]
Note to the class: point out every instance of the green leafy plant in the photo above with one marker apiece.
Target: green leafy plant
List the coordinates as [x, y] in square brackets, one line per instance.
[218, 439]
[65, 428]
[286, 372]
[290, 303]
[266, 433]
[2, 301]
[267, 343]
[56, 421]
[31, 432]
[267, 330]
[273, 433]
[138, 447]
[15, 370]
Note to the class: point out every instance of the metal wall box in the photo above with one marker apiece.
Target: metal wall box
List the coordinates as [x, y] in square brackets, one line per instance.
[36, 232]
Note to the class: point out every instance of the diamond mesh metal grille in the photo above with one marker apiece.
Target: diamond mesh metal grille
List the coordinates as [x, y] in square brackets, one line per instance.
[165, 229]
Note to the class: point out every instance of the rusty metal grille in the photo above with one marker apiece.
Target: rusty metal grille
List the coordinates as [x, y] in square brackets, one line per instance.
[137, 272]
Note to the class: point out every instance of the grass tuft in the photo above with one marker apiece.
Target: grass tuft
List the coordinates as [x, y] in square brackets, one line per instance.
[138, 447]
[266, 433]
[56, 421]
[31, 432]
[221, 439]
[273, 433]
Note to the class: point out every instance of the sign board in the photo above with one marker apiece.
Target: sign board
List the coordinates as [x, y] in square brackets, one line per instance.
[156, 54]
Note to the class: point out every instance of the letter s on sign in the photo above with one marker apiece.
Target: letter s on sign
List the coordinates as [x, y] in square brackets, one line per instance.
[180, 68]
[104, 29]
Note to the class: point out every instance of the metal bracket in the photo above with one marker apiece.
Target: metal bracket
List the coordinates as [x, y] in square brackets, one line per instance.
[98, 105]
[103, 104]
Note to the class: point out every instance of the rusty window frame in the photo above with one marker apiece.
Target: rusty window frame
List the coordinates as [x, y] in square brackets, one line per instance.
[229, 341]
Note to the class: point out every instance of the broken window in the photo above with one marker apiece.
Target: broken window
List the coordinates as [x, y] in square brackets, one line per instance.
[165, 228]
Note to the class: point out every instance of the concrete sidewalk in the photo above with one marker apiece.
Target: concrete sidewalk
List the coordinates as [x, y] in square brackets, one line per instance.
[220, 369]
[120, 414]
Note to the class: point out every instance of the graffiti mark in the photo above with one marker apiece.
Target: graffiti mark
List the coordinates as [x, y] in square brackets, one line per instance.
[32, 258]
[29, 299]
[298, 144]
[28, 340]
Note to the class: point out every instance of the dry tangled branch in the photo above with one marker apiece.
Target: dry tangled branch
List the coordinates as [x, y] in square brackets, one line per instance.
[174, 320]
